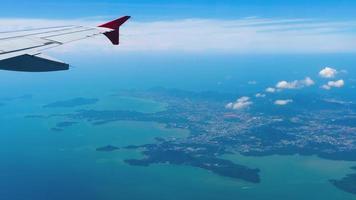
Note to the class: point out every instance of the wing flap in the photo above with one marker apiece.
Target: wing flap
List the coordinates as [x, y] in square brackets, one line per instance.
[18, 44]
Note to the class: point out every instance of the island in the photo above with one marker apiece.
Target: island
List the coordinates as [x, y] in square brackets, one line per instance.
[312, 125]
[107, 148]
[200, 156]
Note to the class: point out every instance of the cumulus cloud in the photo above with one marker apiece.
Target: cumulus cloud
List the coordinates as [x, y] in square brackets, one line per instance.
[338, 84]
[271, 90]
[296, 84]
[239, 104]
[308, 81]
[252, 82]
[260, 95]
[281, 102]
[287, 85]
[244, 35]
[328, 72]
[334, 84]
[326, 87]
[336, 101]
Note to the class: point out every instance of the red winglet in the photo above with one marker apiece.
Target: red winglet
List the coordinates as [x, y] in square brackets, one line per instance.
[115, 26]
[116, 23]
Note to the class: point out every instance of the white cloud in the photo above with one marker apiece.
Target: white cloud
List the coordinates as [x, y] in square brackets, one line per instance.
[338, 84]
[308, 81]
[260, 95]
[271, 90]
[296, 84]
[343, 71]
[239, 104]
[326, 87]
[334, 84]
[328, 72]
[245, 35]
[229, 105]
[286, 85]
[283, 102]
[252, 82]
[336, 101]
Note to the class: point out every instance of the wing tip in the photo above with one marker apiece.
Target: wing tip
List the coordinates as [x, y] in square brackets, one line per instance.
[115, 24]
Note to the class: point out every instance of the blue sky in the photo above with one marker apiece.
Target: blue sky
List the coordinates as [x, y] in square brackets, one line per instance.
[202, 26]
[176, 9]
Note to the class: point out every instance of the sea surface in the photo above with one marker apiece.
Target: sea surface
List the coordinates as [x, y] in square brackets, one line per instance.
[38, 163]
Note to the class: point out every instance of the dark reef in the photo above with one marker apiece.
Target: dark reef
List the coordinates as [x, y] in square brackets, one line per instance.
[65, 124]
[56, 129]
[107, 148]
[347, 184]
[71, 103]
[22, 97]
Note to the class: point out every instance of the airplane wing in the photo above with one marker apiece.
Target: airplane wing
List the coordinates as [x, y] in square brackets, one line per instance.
[22, 50]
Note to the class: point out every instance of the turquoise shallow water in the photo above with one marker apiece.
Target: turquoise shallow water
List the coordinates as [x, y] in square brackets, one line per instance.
[37, 163]
[42, 164]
